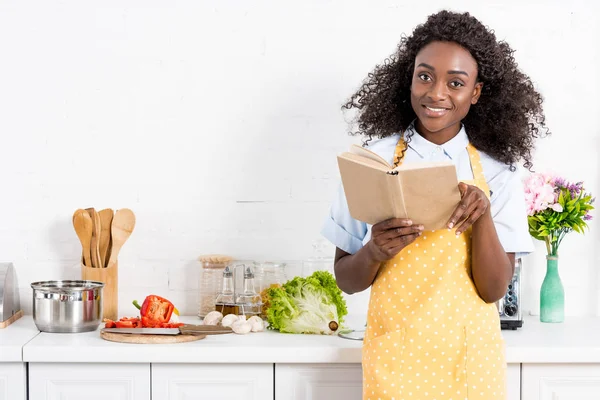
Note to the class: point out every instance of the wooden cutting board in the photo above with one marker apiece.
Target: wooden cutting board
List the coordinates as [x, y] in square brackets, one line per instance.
[148, 339]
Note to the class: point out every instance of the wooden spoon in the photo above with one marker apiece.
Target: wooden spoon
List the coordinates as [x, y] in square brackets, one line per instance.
[122, 226]
[82, 222]
[106, 217]
[74, 214]
[94, 244]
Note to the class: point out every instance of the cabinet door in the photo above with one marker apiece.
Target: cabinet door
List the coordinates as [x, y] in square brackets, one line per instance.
[212, 381]
[318, 381]
[560, 381]
[71, 381]
[13, 381]
[513, 382]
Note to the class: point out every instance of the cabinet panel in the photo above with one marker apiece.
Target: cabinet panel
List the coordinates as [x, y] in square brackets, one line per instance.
[318, 381]
[13, 381]
[212, 381]
[561, 381]
[513, 382]
[344, 381]
[70, 381]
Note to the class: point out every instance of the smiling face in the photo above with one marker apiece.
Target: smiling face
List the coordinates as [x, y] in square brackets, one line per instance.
[444, 86]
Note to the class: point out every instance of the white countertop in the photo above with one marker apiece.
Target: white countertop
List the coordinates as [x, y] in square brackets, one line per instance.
[14, 337]
[574, 341]
[259, 347]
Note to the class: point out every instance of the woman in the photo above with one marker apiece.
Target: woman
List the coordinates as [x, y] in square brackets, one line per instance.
[450, 92]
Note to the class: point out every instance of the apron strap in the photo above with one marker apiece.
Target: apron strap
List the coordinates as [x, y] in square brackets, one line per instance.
[474, 158]
[401, 147]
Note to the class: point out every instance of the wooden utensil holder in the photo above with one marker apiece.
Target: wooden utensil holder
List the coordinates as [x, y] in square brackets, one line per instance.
[110, 294]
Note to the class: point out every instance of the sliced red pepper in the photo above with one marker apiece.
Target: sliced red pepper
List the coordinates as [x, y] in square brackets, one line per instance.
[156, 310]
[171, 324]
[135, 321]
[125, 324]
[149, 323]
[144, 322]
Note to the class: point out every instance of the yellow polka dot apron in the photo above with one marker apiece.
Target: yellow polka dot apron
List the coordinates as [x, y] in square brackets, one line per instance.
[429, 335]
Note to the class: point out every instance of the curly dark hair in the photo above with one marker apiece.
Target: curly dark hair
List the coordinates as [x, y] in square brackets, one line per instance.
[504, 122]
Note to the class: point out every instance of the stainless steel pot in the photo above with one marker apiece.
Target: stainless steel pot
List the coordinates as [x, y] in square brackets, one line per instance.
[67, 306]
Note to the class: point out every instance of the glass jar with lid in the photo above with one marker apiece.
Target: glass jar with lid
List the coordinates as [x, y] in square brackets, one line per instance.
[211, 280]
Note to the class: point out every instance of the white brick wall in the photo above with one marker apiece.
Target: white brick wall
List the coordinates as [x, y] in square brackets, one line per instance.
[218, 122]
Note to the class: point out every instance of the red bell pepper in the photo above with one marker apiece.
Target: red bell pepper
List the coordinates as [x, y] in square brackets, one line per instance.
[155, 311]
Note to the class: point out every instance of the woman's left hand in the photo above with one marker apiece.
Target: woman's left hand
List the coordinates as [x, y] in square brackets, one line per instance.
[473, 204]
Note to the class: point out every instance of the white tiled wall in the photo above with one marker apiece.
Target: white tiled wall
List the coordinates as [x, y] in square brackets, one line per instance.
[218, 122]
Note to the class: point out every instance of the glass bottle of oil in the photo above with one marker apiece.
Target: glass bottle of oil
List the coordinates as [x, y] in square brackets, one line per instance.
[225, 301]
[249, 302]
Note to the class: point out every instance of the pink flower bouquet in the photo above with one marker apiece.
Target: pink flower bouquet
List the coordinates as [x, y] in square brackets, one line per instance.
[556, 207]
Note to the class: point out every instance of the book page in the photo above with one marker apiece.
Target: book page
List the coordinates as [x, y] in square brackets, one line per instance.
[423, 165]
[373, 195]
[363, 152]
[367, 162]
[430, 194]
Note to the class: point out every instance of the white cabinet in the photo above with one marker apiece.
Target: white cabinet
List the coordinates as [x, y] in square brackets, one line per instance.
[212, 381]
[13, 381]
[101, 381]
[344, 381]
[71, 381]
[513, 382]
[560, 381]
[318, 381]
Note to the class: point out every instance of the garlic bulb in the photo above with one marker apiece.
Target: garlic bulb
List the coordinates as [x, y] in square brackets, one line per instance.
[229, 319]
[256, 323]
[241, 327]
[213, 318]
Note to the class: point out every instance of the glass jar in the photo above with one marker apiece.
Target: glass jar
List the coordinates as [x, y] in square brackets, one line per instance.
[210, 281]
[268, 274]
[320, 260]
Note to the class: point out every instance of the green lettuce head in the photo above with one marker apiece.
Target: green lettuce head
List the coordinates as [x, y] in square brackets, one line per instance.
[307, 305]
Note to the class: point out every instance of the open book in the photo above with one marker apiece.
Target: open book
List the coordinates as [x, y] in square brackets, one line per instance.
[426, 193]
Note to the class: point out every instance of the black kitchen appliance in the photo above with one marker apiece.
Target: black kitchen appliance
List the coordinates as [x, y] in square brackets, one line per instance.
[509, 306]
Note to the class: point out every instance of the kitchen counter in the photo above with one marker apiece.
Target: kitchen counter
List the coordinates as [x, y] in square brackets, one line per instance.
[574, 341]
[259, 347]
[14, 337]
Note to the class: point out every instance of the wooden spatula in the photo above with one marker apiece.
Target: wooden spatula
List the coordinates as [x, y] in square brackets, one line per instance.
[94, 244]
[106, 217]
[82, 222]
[122, 226]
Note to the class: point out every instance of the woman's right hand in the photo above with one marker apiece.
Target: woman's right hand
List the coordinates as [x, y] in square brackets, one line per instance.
[389, 237]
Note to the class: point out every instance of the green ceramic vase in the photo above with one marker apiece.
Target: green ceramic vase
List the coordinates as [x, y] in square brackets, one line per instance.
[552, 294]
